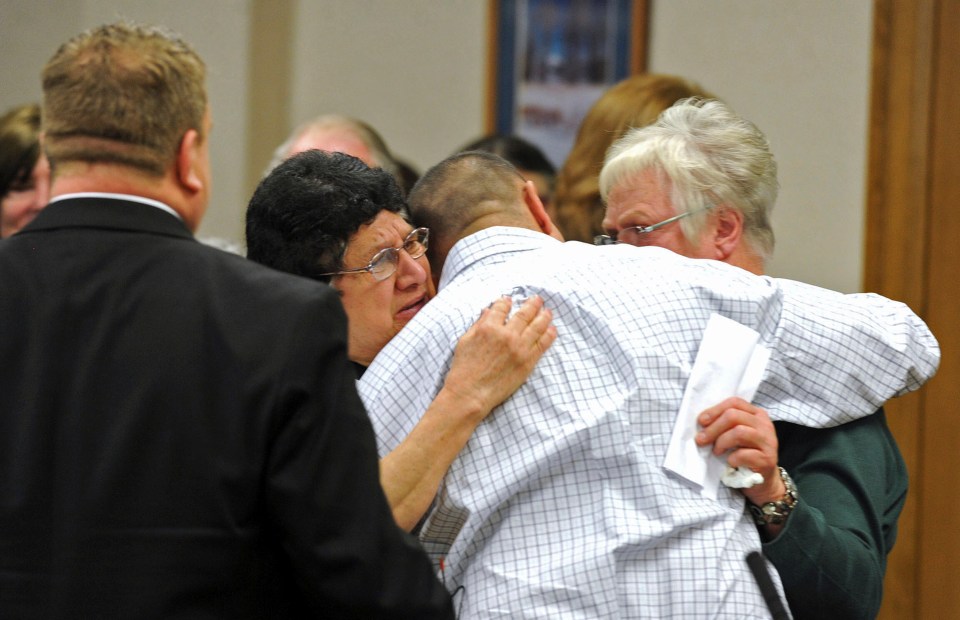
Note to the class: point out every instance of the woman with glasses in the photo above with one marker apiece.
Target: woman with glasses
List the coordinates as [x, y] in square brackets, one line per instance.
[331, 218]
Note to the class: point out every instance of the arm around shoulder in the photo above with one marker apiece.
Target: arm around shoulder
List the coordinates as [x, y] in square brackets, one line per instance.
[491, 361]
[837, 357]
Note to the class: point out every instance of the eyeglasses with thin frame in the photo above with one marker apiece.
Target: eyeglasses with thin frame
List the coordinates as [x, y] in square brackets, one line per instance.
[384, 263]
[642, 230]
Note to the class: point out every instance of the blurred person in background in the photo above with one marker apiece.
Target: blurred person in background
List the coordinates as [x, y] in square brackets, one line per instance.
[24, 171]
[335, 133]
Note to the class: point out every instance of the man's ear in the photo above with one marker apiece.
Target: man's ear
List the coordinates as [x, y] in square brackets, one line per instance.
[727, 232]
[188, 161]
[532, 199]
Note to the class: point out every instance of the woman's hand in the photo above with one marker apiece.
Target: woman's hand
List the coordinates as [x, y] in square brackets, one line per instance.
[498, 353]
[490, 362]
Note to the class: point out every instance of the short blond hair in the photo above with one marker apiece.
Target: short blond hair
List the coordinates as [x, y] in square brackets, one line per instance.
[122, 93]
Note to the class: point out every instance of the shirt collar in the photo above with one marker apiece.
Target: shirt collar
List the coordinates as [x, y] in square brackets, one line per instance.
[128, 197]
[491, 246]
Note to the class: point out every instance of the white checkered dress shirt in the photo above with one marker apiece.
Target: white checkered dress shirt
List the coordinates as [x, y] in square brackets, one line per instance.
[558, 506]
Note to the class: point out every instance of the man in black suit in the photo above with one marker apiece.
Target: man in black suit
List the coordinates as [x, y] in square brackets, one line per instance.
[180, 433]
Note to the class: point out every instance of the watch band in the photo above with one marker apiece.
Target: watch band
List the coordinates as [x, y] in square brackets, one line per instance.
[775, 513]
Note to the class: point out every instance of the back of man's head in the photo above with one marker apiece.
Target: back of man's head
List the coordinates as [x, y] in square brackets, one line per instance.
[122, 94]
[304, 212]
[709, 156]
[463, 194]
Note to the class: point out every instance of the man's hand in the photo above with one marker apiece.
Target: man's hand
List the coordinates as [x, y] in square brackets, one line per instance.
[749, 438]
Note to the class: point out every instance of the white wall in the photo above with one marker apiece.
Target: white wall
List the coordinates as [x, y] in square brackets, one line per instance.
[416, 70]
[800, 71]
[31, 31]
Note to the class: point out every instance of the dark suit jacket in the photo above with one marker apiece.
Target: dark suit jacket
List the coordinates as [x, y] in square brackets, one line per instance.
[181, 437]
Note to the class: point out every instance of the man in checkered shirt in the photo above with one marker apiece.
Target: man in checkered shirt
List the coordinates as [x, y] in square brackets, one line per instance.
[559, 506]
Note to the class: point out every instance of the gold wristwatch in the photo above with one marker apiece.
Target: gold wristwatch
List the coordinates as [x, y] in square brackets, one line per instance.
[775, 513]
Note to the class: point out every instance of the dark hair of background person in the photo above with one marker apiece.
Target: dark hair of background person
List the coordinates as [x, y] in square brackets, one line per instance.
[522, 154]
[304, 212]
[19, 146]
[407, 174]
[634, 102]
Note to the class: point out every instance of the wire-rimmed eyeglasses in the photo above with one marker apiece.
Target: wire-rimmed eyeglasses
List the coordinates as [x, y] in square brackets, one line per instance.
[384, 263]
[639, 231]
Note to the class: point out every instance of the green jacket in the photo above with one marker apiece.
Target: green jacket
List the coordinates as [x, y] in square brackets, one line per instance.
[852, 483]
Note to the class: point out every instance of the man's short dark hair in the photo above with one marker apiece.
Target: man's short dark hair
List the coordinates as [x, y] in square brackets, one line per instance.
[303, 213]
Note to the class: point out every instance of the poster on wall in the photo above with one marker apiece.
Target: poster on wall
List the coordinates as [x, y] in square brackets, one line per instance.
[553, 59]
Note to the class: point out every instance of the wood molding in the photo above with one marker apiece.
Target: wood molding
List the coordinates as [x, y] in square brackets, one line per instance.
[493, 21]
[639, 35]
[912, 254]
[939, 521]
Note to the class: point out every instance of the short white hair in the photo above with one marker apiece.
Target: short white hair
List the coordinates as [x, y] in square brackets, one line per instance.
[708, 155]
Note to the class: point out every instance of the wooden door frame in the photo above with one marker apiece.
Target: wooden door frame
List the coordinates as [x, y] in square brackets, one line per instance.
[912, 255]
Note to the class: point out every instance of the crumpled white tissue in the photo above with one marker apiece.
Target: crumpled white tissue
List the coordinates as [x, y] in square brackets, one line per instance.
[740, 477]
[729, 362]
